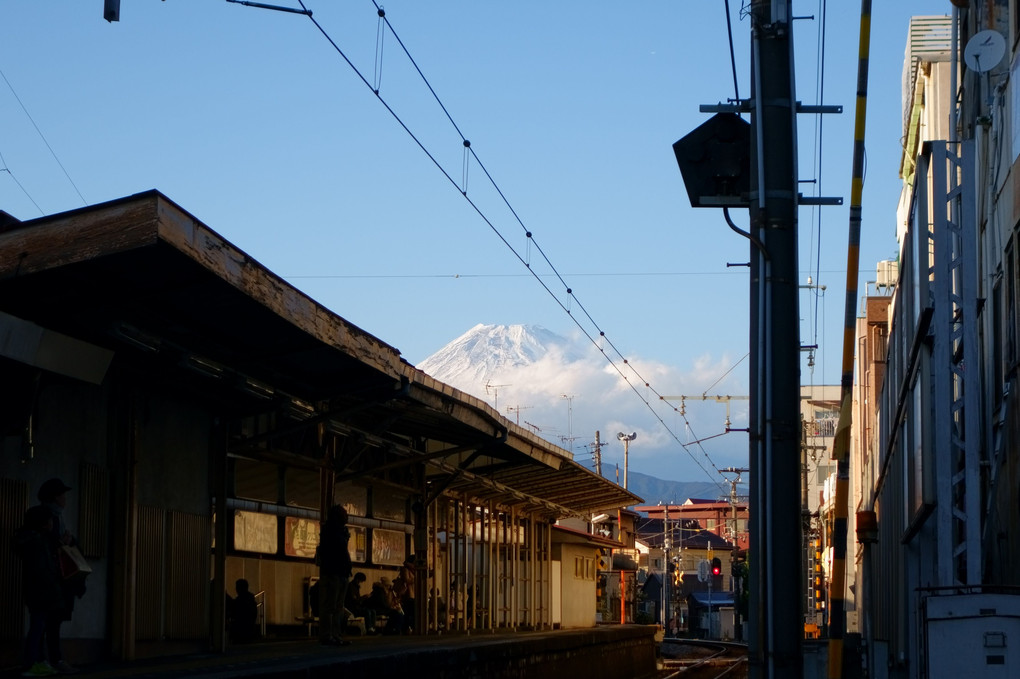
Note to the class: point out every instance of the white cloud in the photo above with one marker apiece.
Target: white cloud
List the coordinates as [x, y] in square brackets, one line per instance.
[600, 398]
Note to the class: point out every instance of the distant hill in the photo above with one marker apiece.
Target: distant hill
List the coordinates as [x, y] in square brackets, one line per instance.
[655, 490]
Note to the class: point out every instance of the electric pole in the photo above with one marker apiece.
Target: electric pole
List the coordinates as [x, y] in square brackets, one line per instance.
[776, 616]
[729, 163]
[597, 453]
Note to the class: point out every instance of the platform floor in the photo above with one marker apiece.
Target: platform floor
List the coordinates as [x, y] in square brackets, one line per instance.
[624, 651]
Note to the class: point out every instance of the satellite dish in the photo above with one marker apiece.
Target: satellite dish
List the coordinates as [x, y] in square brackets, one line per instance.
[984, 51]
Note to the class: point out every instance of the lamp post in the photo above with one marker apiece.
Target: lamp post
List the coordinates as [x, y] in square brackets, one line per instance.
[626, 438]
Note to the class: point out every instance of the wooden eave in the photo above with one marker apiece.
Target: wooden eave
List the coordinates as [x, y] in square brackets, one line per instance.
[145, 279]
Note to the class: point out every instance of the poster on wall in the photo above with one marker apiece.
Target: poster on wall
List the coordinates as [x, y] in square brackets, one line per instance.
[254, 532]
[357, 545]
[302, 537]
[387, 547]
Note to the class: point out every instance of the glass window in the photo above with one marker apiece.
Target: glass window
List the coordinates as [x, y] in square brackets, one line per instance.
[353, 498]
[256, 480]
[301, 488]
[388, 505]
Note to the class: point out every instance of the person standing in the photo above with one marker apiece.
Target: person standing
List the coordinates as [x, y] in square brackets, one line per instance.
[243, 612]
[41, 586]
[334, 561]
[403, 590]
[53, 497]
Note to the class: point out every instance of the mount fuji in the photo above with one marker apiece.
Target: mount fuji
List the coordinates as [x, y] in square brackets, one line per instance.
[555, 386]
[485, 353]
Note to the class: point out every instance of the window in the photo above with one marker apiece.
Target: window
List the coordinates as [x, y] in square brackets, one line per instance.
[254, 480]
[301, 488]
[389, 506]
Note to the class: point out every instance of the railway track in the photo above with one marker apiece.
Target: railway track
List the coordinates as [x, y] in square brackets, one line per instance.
[694, 659]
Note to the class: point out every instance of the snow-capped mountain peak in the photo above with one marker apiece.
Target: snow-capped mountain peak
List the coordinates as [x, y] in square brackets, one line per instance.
[483, 353]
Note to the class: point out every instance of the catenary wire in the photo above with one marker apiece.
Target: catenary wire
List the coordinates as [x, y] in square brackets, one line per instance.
[43, 137]
[529, 235]
[23, 189]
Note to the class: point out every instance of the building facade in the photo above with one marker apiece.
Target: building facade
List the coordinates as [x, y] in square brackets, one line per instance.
[934, 458]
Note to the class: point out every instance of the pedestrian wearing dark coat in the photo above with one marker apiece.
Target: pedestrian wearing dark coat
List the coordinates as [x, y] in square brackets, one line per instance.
[41, 585]
[53, 498]
[334, 559]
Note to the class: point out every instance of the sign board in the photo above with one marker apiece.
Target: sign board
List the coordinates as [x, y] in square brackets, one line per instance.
[703, 569]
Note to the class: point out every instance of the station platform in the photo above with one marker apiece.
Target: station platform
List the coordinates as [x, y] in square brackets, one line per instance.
[624, 651]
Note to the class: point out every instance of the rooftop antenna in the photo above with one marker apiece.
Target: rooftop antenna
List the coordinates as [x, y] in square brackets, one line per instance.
[495, 392]
[570, 414]
[517, 409]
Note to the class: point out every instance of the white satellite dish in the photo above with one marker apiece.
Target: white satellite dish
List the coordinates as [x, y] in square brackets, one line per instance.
[984, 51]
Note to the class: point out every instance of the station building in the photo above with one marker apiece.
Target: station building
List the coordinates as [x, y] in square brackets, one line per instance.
[205, 413]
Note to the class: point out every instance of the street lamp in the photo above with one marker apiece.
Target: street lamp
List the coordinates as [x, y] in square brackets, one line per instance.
[626, 438]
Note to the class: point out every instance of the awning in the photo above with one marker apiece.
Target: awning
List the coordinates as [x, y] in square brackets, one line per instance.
[182, 307]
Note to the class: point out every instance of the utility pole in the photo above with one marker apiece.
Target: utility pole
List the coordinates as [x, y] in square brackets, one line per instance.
[735, 586]
[733, 498]
[665, 569]
[777, 583]
[597, 453]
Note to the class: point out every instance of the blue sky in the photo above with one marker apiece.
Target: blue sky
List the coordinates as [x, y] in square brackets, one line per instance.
[252, 121]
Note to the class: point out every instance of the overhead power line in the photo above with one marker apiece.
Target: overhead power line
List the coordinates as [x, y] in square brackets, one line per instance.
[594, 332]
[45, 141]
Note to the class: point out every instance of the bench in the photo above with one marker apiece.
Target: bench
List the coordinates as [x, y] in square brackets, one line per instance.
[355, 624]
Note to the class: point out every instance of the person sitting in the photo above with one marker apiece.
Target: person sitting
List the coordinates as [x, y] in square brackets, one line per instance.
[356, 603]
[382, 602]
[437, 608]
[243, 612]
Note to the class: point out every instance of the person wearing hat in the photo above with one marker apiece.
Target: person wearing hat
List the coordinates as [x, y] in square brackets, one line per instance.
[53, 498]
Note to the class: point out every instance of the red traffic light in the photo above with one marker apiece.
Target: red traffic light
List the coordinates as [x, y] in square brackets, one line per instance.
[716, 566]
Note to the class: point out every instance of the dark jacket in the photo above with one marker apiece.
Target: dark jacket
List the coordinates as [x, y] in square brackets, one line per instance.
[41, 581]
[332, 553]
